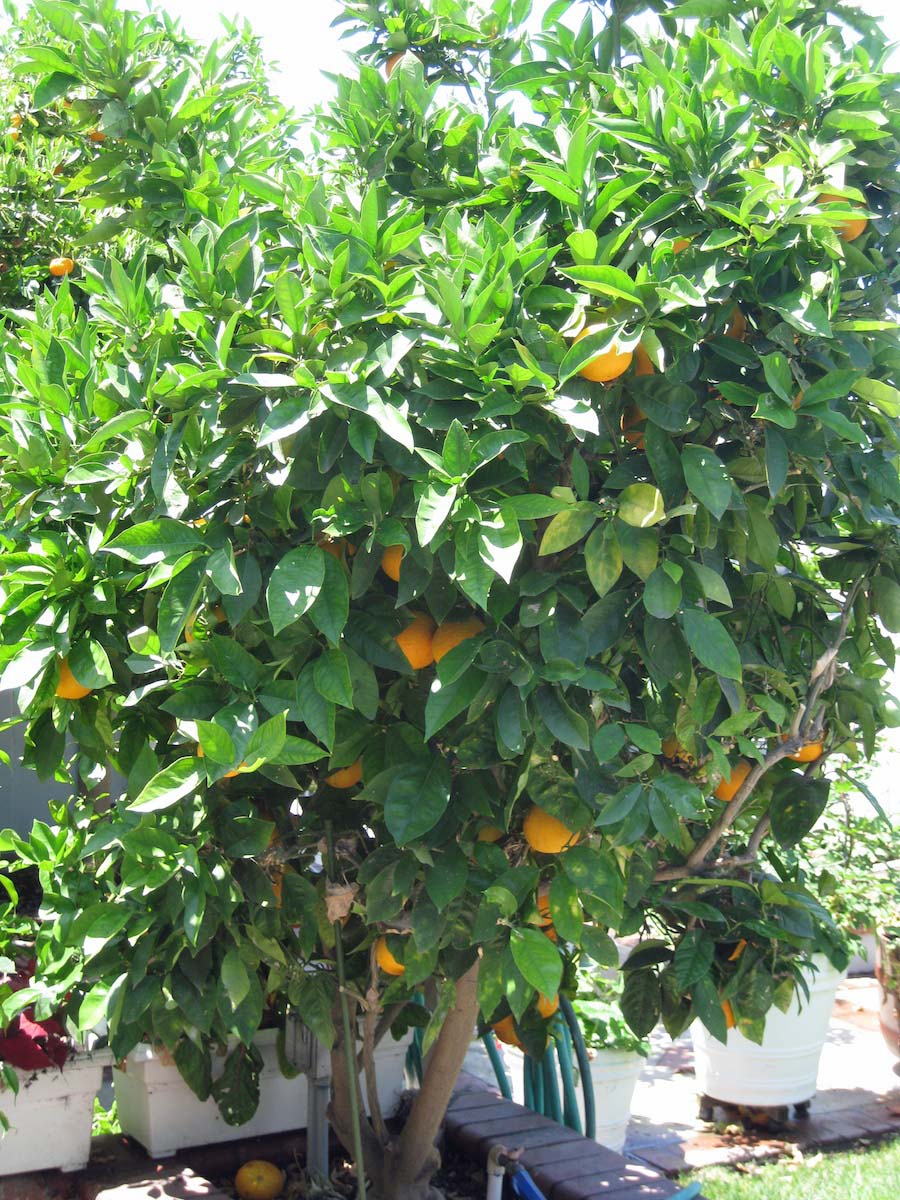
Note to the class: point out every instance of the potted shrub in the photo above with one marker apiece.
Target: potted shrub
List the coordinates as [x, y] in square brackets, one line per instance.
[47, 1085]
[616, 1055]
[777, 1009]
[484, 498]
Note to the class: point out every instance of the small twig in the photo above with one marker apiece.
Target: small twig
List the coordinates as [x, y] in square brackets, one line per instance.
[349, 1037]
[368, 1051]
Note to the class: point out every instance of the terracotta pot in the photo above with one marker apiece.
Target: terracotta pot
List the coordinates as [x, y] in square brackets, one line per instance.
[887, 972]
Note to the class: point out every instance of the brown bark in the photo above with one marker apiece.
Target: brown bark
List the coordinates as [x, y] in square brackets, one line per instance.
[416, 1157]
[402, 1168]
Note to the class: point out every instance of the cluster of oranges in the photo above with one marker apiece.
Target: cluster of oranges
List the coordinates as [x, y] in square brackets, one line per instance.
[728, 788]
[423, 641]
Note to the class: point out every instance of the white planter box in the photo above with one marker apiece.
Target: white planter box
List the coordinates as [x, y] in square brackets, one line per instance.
[158, 1109]
[783, 1069]
[50, 1118]
[614, 1076]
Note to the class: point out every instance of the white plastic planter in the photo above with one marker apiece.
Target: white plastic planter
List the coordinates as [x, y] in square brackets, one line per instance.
[50, 1117]
[614, 1076]
[158, 1109]
[783, 1069]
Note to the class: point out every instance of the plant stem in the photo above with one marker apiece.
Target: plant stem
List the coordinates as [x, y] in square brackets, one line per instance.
[349, 1039]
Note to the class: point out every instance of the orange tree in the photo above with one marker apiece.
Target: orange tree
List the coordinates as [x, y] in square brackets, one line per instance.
[466, 541]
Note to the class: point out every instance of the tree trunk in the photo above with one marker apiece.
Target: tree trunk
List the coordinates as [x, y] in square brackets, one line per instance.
[402, 1170]
[416, 1157]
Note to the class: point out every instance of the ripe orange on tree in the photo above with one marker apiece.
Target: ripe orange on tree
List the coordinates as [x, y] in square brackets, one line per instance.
[546, 834]
[393, 62]
[606, 366]
[390, 562]
[737, 325]
[62, 266]
[489, 833]
[543, 903]
[449, 634]
[643, 364]
[547, 1006]
[346, 777]
[416, 641]
[68, 687]
[505, 1031]
[386, 960]
[808, 752]
[849, 230]
[97, 135]
[632, 425]
[680, 244]
[259, 1180]
[728, 788]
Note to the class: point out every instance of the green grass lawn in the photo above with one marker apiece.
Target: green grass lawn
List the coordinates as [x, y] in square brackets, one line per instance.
[860, 1174]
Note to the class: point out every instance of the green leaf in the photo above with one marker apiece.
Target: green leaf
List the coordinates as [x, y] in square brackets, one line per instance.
[707, 478]
[51, 87]
[447, 700]
[885, 596]
[662, 595]
[562, 721]
[605, 281]
[331, 675]
[603, 558]
[599, 946]
[154, 541]
[295, 585]
[446, 879]
[234, 977]
[885, 397]
[236, 1091]
[607, 742]
[331, 607]
[90, 664]
[216, 744]
[640, 548]
[565, 909]
[711, 643]
[641, 1001]
[537, 959]
[267, 741]
[362, 398]
[168, 786]
[802, 312]
[694, 956]
[434, 507]
[457, 450]
[797, 803]
[417, 798]
[567, 528]
[641, 505]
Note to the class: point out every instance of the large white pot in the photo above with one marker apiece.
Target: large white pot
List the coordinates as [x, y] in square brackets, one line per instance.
[50, 1117]
[158, 1109]
[614, 1076]
[783, 1069]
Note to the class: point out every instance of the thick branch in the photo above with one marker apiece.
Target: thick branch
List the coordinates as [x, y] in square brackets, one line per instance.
[416, 1149]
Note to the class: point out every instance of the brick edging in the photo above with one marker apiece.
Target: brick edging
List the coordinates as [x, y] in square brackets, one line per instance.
[563, 1164]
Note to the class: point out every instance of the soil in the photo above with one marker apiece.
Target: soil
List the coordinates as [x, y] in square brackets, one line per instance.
[459, 1179]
